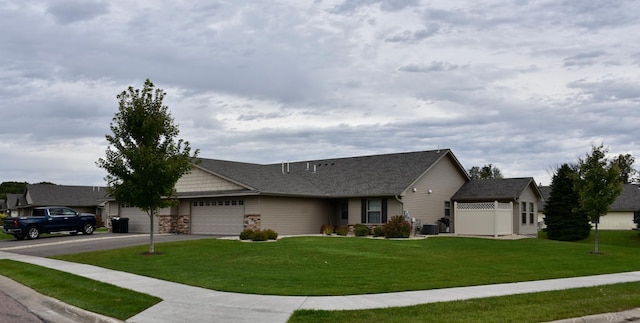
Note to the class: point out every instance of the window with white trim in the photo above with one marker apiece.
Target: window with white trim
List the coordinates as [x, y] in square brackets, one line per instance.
[374, 211]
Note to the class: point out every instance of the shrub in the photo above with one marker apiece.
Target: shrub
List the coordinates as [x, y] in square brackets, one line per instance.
[259, 235]
[326, 229]
[246, 234]
[378, 231]
[271, 235]
[361, 230]
[636, 219]
[342, 231]
[397, 227]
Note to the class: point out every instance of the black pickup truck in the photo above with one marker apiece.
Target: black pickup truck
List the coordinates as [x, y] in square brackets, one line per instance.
[47, 220]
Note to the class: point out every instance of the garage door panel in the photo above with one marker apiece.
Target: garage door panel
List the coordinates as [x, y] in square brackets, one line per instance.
[217, 216]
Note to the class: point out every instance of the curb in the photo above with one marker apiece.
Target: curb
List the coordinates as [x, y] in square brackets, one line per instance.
[617, 317]
[49, 309]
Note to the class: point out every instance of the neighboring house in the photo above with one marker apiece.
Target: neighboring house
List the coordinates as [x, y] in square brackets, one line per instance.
[11, 202]
[225, 197]
[88, 199]
[497, 207]
[620, 216]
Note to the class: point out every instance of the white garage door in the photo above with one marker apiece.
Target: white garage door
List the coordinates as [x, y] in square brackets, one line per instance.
[217, 216]
[138, 219]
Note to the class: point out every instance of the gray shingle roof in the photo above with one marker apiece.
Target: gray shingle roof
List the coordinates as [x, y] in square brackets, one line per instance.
[629, 199]
[47, 194]
[377, 175]
[504, 189]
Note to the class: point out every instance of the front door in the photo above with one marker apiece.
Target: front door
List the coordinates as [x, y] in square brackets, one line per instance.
[343, 213]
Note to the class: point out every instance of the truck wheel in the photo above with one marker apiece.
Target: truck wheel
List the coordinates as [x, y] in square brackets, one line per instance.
[19, 236]
[87, 228]
[33, 232]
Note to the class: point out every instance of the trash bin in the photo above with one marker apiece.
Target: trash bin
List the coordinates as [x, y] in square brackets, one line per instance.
[115, 225]
[124, 225]
[430, 229]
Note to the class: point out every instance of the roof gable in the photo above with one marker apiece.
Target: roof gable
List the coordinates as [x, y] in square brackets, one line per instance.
[495, 189]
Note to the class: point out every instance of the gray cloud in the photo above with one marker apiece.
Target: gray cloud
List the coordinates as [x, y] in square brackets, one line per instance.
[70, 11]
[523, 85]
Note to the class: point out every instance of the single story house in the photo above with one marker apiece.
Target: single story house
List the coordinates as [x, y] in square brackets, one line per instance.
[11, 202]
[497, 207]
[225, 197]
[620, 215]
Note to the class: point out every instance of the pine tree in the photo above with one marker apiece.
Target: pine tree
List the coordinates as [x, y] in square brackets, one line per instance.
[564, 218]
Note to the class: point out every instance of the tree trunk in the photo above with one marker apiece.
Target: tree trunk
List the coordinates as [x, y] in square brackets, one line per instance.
[596, 244]
[152, 214]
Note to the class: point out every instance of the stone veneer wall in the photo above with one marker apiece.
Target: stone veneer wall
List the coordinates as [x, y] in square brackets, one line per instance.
[174, 224]
[252, 221]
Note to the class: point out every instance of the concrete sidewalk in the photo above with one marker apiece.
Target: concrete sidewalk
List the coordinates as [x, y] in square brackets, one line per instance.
[183, 303]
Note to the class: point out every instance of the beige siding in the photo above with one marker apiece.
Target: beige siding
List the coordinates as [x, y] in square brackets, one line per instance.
[529, 228]
[443, 180]
[199, 180]
[617, 221]
[294, 215]
[252, 205]
[354, 210]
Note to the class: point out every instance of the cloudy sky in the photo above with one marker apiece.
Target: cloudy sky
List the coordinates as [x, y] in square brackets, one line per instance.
[524, 85]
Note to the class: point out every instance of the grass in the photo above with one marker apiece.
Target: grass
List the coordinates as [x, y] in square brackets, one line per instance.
[81, 292]
[340, 266]
[535, 307]
[344, 266]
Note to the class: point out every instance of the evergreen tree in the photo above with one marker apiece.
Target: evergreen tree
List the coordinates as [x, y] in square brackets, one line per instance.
[564, 218]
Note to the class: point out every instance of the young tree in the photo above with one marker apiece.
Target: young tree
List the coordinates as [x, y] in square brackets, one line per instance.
[144, 160]
[564, 219]
[598, 185]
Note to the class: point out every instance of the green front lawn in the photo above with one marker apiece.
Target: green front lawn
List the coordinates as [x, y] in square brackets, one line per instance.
[337, 266]
[535, 307]
[344, 266]
[81, 292]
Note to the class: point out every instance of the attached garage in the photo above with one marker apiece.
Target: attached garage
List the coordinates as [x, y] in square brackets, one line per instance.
[138, 219]
[217, 216]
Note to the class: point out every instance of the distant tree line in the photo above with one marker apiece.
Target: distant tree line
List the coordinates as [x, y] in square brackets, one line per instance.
[488, 171]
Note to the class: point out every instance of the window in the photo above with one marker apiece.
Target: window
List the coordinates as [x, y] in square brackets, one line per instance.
[241, 202]
[531, 215]
[374, 211]
[447, 208]
[195, 203]
[523, 211]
